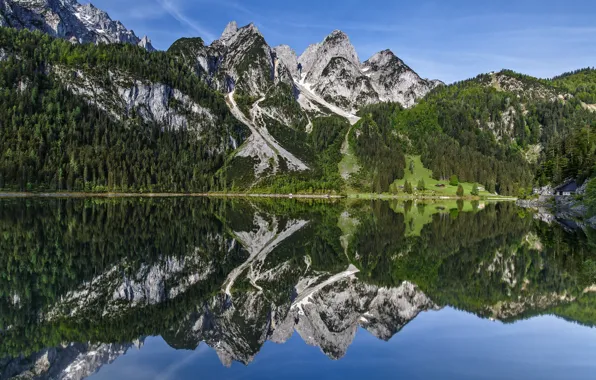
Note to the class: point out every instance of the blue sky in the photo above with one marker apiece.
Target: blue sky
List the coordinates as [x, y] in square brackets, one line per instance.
[444, 39]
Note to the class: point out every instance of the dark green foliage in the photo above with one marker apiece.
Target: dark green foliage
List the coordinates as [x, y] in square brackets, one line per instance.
[421, 185]
[379, 152]
[283, 99]
[321, 149]
[475, 191]
[590, 196]
[408, 188]
[453, 181]
[569, 155]
[481, 133]
[53, 140]
[244, 102]
[460, 191]
[580, 83]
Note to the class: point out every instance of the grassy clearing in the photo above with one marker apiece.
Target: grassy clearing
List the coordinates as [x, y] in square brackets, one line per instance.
[418, 214]
[348, 225]
[349, 163]
[420, 172]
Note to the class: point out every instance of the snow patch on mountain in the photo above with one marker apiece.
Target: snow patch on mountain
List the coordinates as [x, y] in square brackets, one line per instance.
[69, 20]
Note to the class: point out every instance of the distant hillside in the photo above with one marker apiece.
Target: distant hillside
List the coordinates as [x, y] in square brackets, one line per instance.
[504, 130]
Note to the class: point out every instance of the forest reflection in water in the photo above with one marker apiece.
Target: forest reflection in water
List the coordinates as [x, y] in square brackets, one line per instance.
[85, 280]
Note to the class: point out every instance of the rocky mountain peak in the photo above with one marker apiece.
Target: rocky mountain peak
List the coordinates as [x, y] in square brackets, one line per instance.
[66, 19]
[232, 32]
[336, 35]
[145, 43]
[229, 32]
[383, 58]
[316, 57]
[288, 57]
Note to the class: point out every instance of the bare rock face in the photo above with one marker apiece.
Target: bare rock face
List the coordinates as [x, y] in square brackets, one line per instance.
[317, 57]
[70, 362]
[288, 57]
[3, 21]
[239, 60]
[153, 102]
[69, 20]
[331, 317]
[333, 70]
[145, 43]
[394, 81]
[272, 87]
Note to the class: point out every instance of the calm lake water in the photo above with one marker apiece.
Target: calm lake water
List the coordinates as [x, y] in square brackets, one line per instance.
[268, 289]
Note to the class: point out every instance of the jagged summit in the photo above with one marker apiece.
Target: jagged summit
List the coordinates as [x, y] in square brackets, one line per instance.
[230, 31]
[383, 58]
[288, 57]
[337, 35]
[145, 43]
[69, 20]
[317, 57]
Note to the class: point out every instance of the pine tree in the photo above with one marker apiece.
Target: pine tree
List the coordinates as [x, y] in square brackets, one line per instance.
[408, 188]
[460, 191]
[475, 191]
[421, 185]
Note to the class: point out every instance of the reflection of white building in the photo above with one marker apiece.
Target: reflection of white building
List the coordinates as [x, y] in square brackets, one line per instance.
[566, 189]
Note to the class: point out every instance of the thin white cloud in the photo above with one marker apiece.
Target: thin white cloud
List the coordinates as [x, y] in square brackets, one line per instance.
[144, 13]
[172, 8]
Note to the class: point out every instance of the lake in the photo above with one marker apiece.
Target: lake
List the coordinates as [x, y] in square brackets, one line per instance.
[184, 288]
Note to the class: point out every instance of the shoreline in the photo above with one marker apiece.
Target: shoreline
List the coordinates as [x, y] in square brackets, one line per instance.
[163, 195]
[363, 196]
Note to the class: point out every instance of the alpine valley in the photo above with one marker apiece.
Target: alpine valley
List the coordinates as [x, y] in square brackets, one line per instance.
[87, 106]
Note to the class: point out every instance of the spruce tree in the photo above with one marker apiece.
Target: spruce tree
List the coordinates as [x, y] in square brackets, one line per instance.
[460, 191]
[475, 191]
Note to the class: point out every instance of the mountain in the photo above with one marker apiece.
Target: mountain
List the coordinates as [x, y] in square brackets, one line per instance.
[282, 98]
[235, 275]
[70, 362]
[69, 20]
[240, 115]
[334, 71]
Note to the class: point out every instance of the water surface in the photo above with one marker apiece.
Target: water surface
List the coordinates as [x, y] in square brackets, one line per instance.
[187, 288]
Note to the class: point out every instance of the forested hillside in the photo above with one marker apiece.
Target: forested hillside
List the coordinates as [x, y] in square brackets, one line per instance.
[97, 118]
[506, 131]
[572, 153]
[52, 138]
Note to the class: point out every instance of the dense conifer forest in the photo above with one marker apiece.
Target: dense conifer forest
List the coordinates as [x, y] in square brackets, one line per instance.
[505, 131]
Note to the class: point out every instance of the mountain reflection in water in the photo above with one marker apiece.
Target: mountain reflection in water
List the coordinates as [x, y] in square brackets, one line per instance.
[86, 281]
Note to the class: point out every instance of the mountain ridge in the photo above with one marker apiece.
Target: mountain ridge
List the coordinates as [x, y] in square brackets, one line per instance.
[69, 20]
[321, 121]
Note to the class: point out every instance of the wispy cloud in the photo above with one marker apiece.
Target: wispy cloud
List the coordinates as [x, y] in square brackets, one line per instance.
[237, 7]
[144, 13]
[172, 8]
